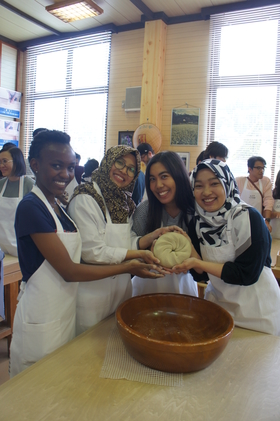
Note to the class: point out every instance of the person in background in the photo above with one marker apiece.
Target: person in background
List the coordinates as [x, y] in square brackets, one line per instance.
[275, 214]
[139, 189]
[79, 169]
[256, 189]
[200, 158]
[90, 166]
[170, 203]
[13, 187]
[216, 150]
[235, 247]
[49, 251]
[103, 212]
[6, 147]
[146, 152]
[29, 171]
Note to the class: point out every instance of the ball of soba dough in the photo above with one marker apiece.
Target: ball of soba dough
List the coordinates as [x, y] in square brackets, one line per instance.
[172, 249]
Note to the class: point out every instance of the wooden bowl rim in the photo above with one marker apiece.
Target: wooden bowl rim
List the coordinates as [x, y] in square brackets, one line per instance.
[133, 332]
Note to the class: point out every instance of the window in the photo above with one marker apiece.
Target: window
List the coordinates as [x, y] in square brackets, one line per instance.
[67, 89]
[245, 86]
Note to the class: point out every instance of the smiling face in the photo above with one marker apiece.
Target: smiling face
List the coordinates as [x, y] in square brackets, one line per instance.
[209, 193]
[54, 169]
[121, 177]
[6, 166]
[256, 173]
[162, 184]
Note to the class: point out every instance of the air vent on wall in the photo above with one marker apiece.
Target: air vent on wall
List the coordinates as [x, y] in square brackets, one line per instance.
[133, 99]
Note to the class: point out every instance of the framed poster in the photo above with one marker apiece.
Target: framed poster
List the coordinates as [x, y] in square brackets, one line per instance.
[10, 102]
[9, 132]
[186, 159]
[184, 126]
[125, 138]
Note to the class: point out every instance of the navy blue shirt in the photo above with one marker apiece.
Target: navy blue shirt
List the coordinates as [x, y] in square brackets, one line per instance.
[139, 189]
[33, 217]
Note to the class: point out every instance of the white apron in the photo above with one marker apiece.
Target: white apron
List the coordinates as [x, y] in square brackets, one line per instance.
[275, 222]
[253, 197]
[172, 284]
[8, 207]
[45, 315]
[98, 299]
[255, 307]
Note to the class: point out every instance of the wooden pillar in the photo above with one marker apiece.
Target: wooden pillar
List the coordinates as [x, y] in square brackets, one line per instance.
[153, 73]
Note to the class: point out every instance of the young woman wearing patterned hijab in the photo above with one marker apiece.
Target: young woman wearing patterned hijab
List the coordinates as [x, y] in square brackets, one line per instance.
[234, 243]
[102, 211]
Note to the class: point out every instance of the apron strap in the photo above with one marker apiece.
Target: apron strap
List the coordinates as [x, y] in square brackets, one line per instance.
[256, 187]
[3, 188]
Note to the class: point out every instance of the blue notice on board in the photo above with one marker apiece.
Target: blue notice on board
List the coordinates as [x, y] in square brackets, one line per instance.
[3, 141]
[8, 112]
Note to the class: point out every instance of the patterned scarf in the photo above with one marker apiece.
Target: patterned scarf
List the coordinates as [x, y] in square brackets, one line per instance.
[118, 200]
[211, 227]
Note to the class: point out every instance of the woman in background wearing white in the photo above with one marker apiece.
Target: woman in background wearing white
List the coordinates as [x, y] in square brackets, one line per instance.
[13, 187]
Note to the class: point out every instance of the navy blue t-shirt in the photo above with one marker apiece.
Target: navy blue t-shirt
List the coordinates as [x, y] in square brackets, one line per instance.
[32, 217]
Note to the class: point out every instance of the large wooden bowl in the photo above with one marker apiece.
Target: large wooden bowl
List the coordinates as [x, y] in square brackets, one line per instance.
[173, 332]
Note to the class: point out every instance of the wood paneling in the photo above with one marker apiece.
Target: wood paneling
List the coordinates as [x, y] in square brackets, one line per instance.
[153, 73]
[185, 80]
[125, 72]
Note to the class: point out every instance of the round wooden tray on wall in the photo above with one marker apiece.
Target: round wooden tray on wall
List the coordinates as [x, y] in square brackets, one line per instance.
[147, 133]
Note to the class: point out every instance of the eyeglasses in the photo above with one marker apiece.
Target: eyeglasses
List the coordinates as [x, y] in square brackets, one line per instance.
[4, 162]
[260, 168]
[120, 164]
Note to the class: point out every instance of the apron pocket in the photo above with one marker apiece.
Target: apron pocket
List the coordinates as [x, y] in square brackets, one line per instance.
[40, 340]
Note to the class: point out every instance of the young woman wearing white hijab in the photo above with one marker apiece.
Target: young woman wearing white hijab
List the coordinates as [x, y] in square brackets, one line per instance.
[234, 243]
[102, 210]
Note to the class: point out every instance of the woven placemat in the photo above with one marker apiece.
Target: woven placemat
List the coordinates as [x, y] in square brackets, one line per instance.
[118, 364]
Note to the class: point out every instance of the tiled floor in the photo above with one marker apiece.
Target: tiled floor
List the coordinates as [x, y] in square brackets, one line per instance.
[4, 361]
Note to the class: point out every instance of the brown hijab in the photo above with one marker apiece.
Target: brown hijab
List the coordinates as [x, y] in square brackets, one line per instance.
[118, 200]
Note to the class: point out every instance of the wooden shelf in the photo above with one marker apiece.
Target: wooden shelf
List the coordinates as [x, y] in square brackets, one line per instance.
[5, 331]
[12, 277]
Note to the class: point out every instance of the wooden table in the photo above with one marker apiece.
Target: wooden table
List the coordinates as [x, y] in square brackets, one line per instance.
[12, 277]
[243, 384]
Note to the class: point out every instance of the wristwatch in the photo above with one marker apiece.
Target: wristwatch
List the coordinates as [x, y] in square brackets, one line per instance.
[267, 219]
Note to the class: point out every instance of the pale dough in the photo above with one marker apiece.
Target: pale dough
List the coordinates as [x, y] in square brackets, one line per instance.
[172, 249]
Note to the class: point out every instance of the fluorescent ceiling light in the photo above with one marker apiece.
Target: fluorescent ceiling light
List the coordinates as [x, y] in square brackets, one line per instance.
[72, 10]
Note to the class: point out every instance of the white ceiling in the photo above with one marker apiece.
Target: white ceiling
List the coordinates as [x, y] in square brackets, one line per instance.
[117, 12]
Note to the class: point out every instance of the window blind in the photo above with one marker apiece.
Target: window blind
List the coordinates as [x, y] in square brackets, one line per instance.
[67, 84]
[244, 86]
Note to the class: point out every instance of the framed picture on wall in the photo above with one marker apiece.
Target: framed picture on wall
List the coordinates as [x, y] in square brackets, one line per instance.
[184, 126]
[186, 159]
[125, 138]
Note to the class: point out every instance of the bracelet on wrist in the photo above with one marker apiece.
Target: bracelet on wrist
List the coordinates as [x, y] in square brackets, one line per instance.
[267, 219]
[137, 242]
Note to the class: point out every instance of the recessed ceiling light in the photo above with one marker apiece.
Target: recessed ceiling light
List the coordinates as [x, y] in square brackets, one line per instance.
[71, 10]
